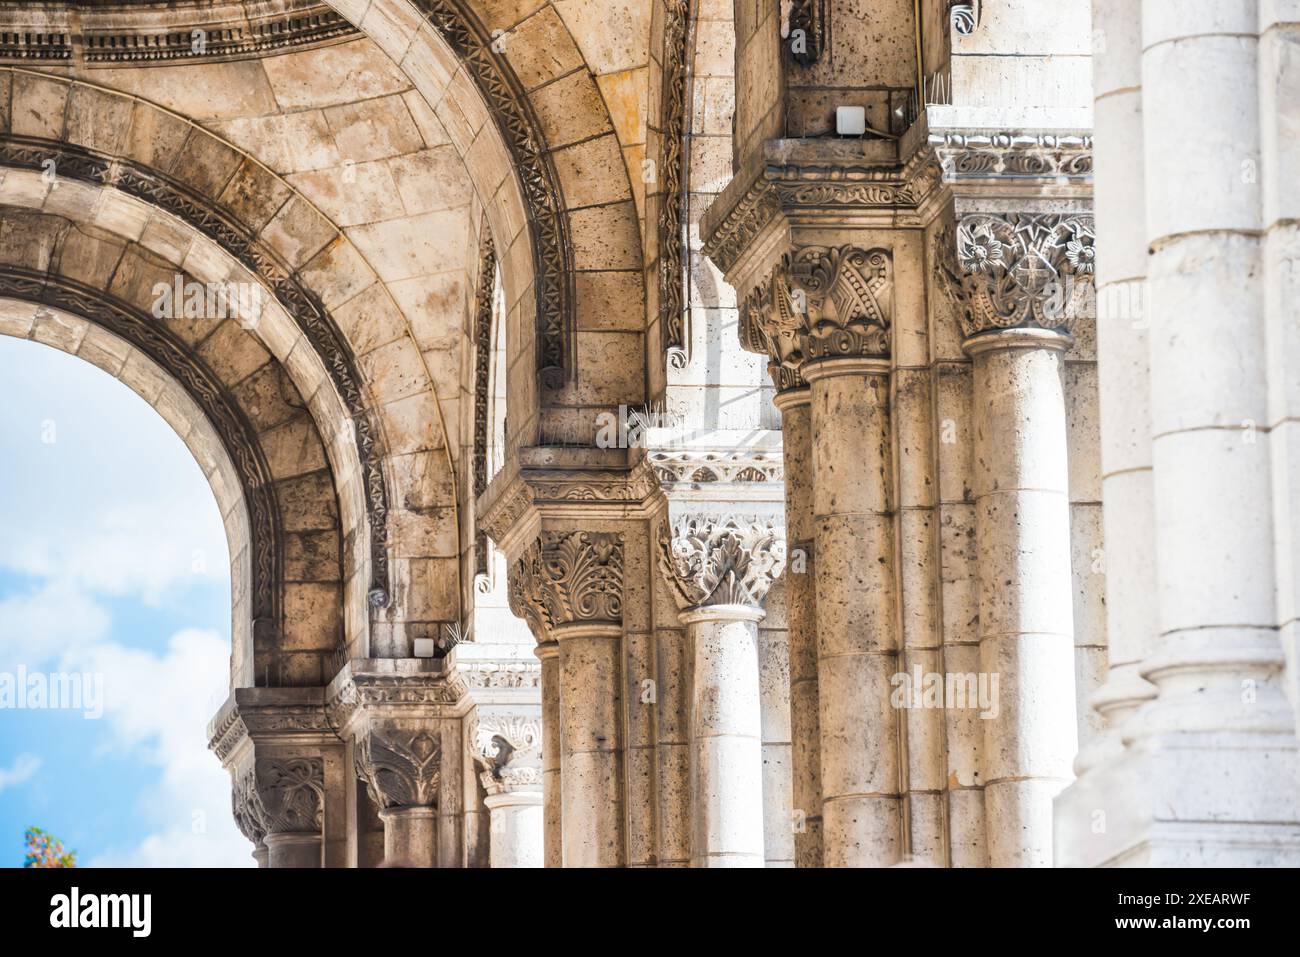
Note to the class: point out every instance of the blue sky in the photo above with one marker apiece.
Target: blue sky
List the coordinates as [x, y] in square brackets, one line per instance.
[113, 563]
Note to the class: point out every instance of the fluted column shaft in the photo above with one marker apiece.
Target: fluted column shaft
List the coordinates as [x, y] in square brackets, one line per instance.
[856, 622]
[591, 761]
[552, 793]
[726, 736]
[801, 614]
[1026, 616]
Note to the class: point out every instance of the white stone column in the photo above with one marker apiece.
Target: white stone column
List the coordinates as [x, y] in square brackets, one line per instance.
[1026, 617]
[516, 829]
[721, 567]
[1212, 774]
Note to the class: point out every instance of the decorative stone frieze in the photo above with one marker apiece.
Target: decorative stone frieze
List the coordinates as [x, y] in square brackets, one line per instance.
[1064, 157]
[1017, 270]
[722, 559]
[691, 466]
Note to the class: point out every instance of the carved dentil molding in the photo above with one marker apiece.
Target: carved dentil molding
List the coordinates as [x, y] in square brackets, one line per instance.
[280, 796]
[566, 578]
[714, 559]
[1016, 270]
[401, 768]
[820, 303]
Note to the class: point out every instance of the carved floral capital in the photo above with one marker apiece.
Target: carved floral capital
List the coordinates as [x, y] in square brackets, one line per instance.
[568, 578]
[401, 768]
[508, 750]
[721, 560]
[280, 796]
[1017, 270]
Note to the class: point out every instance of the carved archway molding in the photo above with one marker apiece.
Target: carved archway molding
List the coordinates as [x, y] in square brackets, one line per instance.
[233, 429]
[241, 243]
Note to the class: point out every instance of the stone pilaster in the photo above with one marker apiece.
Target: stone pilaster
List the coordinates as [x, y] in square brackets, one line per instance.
[402, 717]
[288, 781]
[721, 567]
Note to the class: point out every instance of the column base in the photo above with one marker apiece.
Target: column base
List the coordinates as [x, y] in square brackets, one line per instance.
[1184, 801]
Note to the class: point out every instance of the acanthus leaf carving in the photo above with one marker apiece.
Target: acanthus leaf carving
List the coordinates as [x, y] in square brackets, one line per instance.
[722, 560]
[290, 794]
[566, 578]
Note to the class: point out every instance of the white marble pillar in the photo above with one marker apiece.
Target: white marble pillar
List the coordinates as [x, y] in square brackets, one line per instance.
[1215, 780]
[516, 831]
[721, 567]
[1026, 617]
[726, 736]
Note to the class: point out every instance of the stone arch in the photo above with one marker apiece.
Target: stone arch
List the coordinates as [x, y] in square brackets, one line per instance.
[514, 89]
[129, 165]
[265, 552]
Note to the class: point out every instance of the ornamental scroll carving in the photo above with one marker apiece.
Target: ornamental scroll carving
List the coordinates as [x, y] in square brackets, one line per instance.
[508, 749]
[721, 560]
[566, 578]
[672, 311]
[1017, 270]
[401, 768]
[805, 31]
[281, 796]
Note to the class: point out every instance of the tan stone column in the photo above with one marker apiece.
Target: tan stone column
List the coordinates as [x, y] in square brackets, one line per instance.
[569, 586]
[410, 836]
[549, 654]
[721, 567]
[801, 613]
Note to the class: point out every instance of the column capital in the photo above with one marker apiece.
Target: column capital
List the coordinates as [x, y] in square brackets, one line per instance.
[401, 766]
[713, 559]
[1011, 271]
[568, 578]
[820, 303]
[280, 795]
[507, 747]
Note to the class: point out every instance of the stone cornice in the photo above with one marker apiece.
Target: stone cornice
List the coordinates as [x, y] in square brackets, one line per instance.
[294, 716]
[366, 691]
[551, 482]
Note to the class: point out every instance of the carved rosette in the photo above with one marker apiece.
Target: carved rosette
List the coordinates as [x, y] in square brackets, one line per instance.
[282, 796]
[508, 749]
[721, 560]
[1017, 270]
[401, 768]
[567, 578]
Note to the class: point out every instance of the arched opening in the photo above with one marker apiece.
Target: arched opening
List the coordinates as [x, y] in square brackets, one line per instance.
[116, 597]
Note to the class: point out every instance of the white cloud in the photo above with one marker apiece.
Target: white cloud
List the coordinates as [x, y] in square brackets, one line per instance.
[21, 771]
[41, 625]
